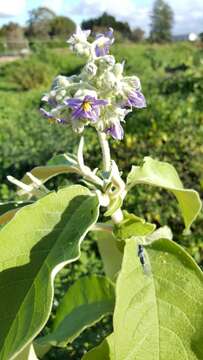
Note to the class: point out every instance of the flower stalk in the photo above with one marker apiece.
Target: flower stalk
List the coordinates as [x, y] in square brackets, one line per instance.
[85, 170]
[106, 155]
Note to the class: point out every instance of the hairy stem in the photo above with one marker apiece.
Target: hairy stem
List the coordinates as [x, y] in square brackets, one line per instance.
[85, 170]
[105, 151]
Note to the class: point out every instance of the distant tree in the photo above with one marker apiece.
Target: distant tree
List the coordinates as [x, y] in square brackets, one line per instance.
[39, 22]
[61, 26]
[137, 35]
[13, 34]
[104, 21]
[161, 22]
[201, 36]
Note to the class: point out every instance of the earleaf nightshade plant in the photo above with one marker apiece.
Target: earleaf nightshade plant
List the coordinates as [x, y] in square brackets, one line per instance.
[152, 286]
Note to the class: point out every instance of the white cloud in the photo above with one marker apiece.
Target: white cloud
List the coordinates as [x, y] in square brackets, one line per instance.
[188, 14]
[12, 7]
[122, 10]
[55, 5]
[88, 7]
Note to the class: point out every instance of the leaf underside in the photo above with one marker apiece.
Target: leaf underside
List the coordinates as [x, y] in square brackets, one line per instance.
[34, 246]
[162, 174]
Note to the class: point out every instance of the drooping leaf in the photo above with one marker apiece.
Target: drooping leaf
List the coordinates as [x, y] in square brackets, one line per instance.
[104, 351]
[86, 302]
[158, 173]
[160, 315]
[60, 164]
[132, 225]
[63, 159]
[110, 253]
[34, 246]
[9, 209]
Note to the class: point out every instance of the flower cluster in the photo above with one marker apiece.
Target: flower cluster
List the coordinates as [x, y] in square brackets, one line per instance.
[100, 96]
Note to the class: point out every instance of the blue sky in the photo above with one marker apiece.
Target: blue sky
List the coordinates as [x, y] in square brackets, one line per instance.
[188, 14]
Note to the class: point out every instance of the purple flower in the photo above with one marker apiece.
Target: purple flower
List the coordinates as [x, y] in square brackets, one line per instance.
[103, 43]
[116, 131]
[88, 108]
[50, 116]
[136, 99]
[49, 100]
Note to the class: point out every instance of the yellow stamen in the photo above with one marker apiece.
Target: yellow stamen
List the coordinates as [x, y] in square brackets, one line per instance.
[86, 106]
[101, 43]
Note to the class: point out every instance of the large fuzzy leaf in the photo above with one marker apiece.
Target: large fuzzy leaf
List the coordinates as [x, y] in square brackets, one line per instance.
[34, 246]
[85, 303]
[160, 315]
[158, 173]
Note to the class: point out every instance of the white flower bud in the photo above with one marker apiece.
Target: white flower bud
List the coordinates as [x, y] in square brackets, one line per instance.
[77, 126]
[118, 69]
[61, 81]
[90, 69]
[60, 95]
[59, 98]
[109, 79]
[81, 93]
[79, 48]
[132, 83]
[52, 93]
[109, 59]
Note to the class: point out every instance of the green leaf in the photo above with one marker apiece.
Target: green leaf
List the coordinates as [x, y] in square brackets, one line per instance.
[27, 354]
[162, 174]
[110, 253]
[9, 209]
[132, 225]
[34, 246]
[160, 315]
[104, 351]
[164, 232]
[63, 159]
[60, 164]
[41, 350]
[85, 303]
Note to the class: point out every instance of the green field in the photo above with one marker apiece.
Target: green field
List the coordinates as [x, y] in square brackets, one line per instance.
[170, 129]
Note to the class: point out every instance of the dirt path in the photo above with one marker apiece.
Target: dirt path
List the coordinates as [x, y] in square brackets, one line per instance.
[4, 59]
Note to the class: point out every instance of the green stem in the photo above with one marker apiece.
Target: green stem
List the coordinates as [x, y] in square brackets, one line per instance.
[105, 151]
[102, 227]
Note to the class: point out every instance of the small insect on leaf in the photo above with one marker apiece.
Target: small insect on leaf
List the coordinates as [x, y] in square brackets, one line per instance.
[143, 261]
